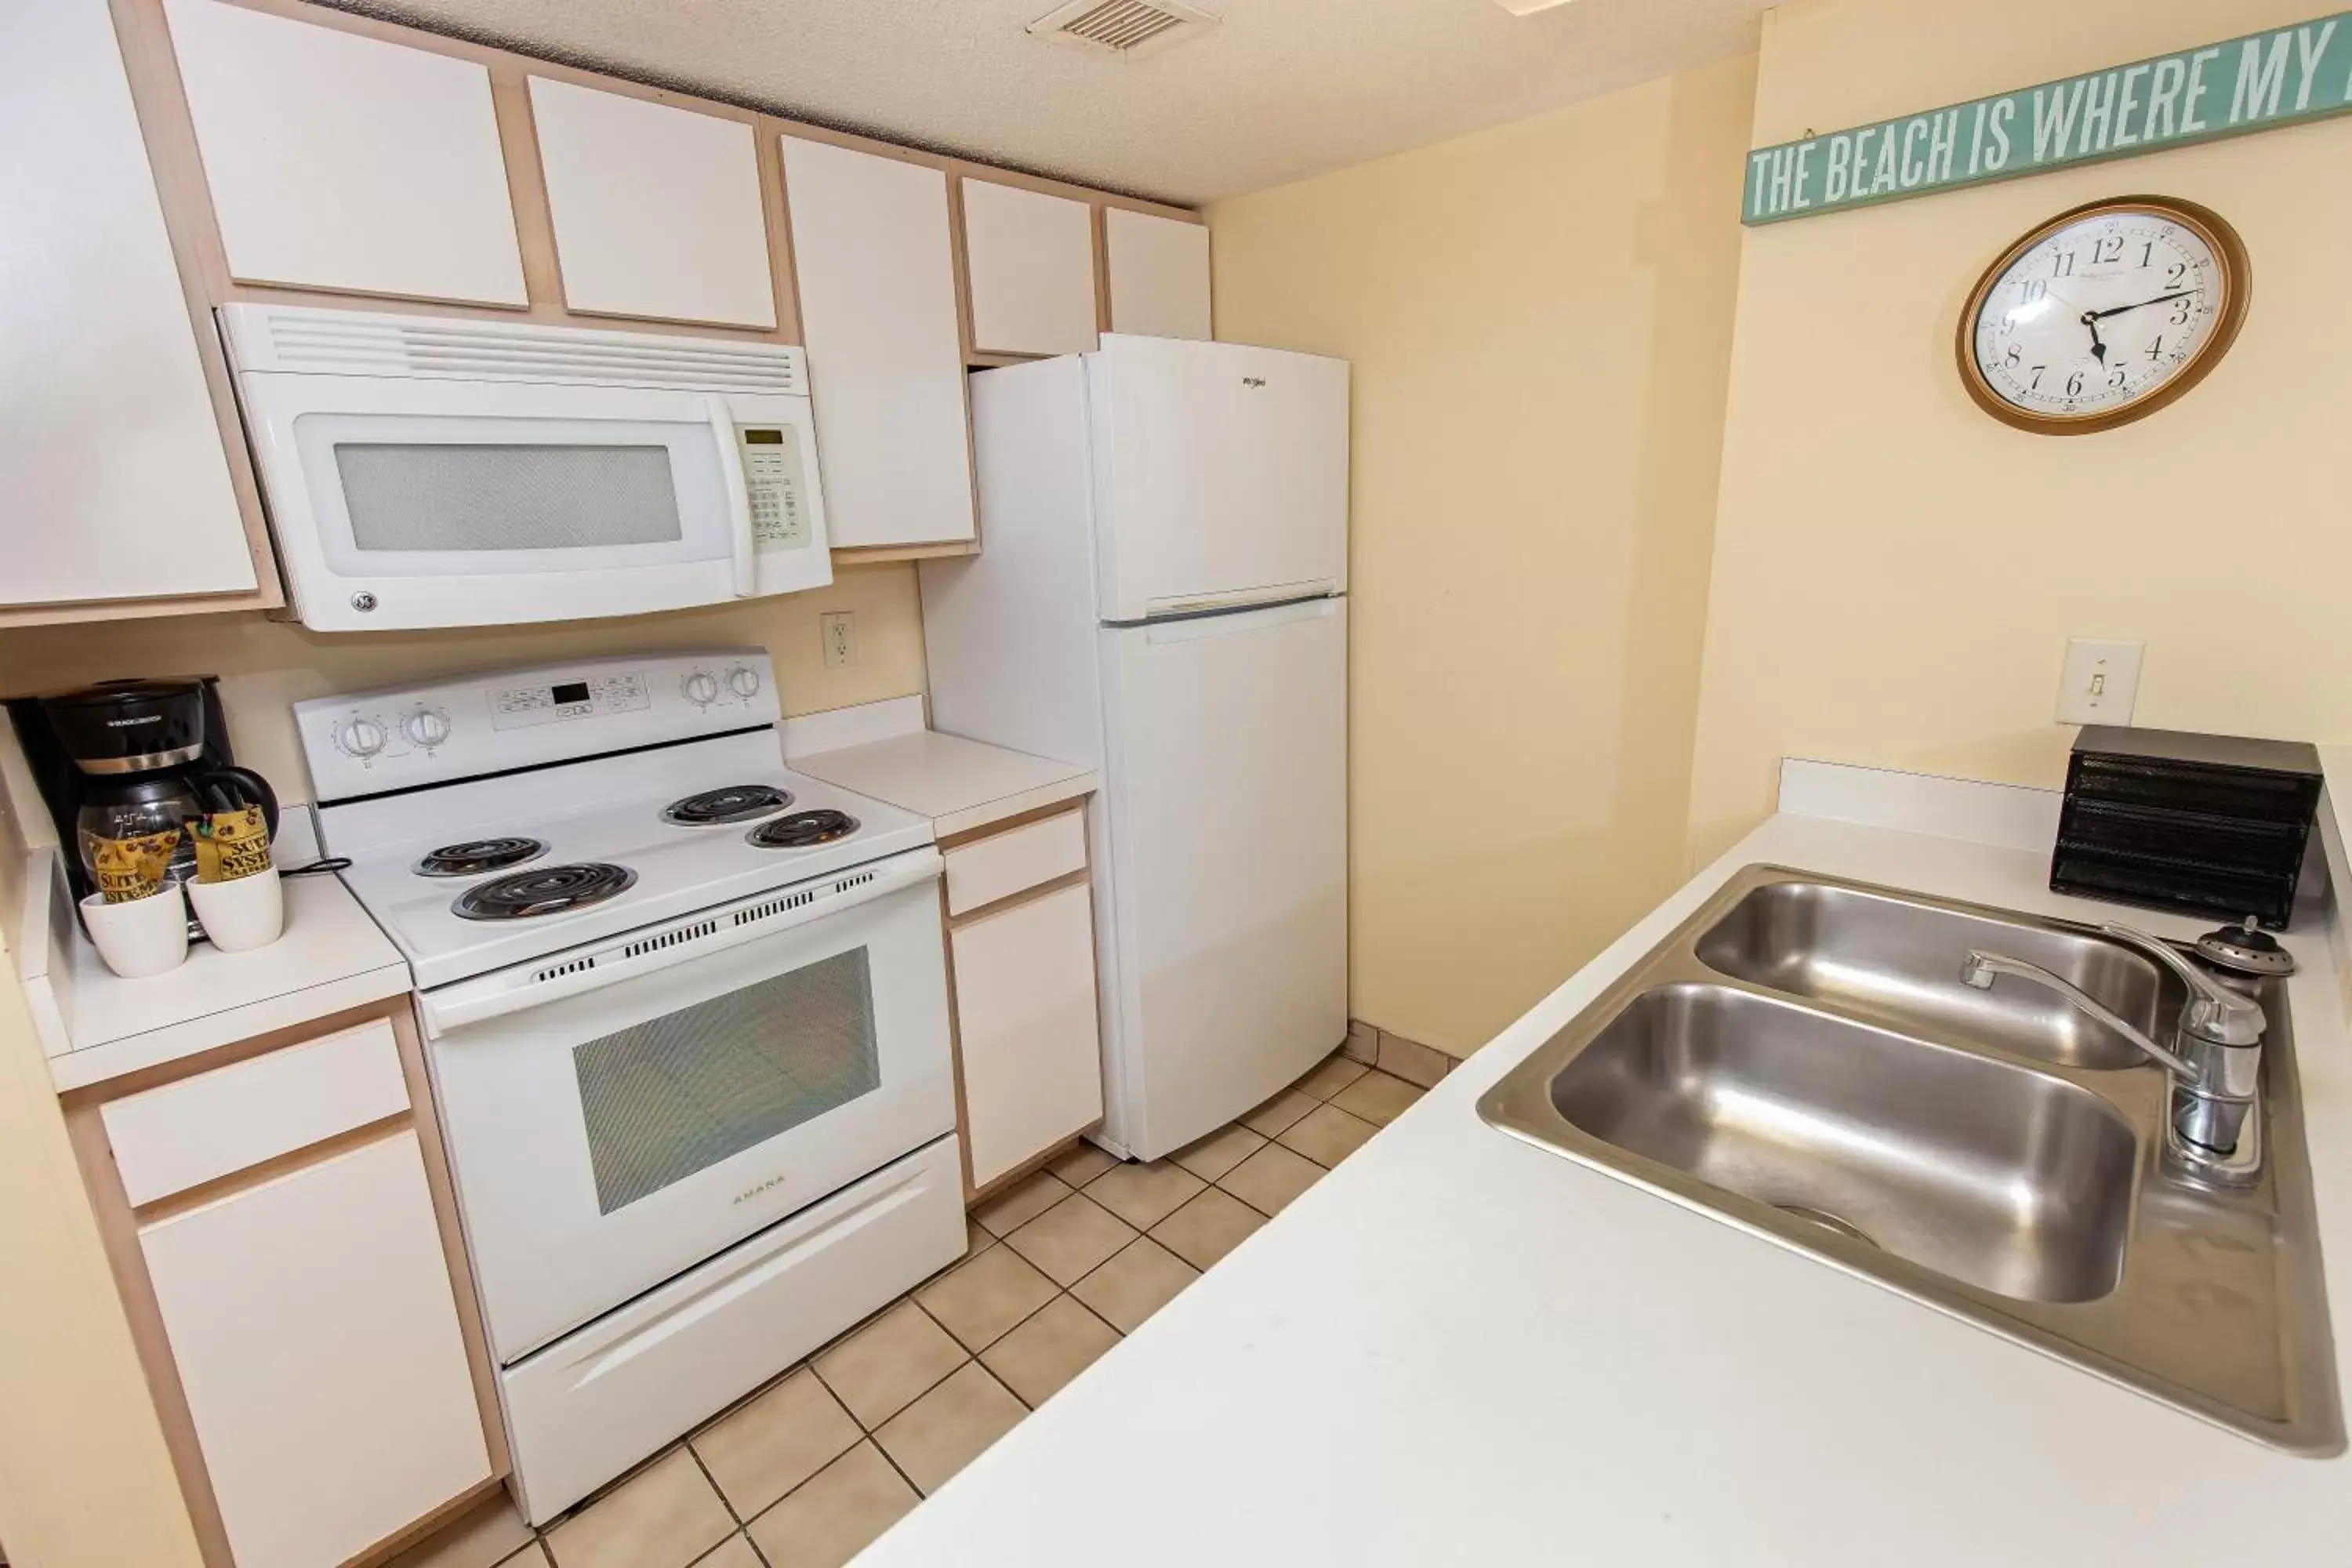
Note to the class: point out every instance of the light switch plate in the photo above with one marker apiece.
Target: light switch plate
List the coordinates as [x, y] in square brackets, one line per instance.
[2100, 682]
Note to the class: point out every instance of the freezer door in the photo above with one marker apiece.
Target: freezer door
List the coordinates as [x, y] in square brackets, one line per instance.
[1224, 945]
[1220, 474]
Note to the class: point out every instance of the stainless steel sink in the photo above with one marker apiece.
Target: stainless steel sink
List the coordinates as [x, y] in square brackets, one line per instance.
[2009, 1179]
[1898, 961]
[1801, 1060]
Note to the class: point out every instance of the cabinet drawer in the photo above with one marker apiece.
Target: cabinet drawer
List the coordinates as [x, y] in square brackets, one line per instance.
[1004, 864]
[169, 1139]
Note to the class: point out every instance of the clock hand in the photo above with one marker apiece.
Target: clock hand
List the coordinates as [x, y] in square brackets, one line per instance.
[2099, 347]
[2089, 316]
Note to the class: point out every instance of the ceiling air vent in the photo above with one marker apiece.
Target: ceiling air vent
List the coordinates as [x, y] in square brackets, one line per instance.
[1122, 27]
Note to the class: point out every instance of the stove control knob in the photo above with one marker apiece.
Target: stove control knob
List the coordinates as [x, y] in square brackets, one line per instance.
[701, 689]
[360, 737]
[428, 727]
[743, 682]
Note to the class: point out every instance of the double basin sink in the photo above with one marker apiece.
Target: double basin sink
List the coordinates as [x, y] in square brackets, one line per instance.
[1803, 1059]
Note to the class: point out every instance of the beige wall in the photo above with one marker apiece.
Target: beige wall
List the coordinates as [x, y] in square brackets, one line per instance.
[1538, 318]
[266, 665]
[1896, 573]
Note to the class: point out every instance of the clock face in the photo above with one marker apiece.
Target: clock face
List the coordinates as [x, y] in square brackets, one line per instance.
[2104, 314]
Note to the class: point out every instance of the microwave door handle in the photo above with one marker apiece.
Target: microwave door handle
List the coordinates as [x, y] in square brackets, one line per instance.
[738, 493]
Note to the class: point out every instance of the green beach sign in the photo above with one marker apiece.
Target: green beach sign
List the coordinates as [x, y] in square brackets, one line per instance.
[2255, 83]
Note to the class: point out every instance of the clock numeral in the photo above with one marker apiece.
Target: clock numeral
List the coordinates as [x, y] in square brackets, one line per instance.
[2100, 252]
[2062, 265]
[2155, 349]
[2035, 385]
[2032, 291]
[2174, 273]
[2147, 252]
[2117, 378]
[2074, 385]
[2181, 312]
[2014, 354]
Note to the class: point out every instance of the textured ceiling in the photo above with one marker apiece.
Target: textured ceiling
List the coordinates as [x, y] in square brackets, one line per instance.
[1278, 90]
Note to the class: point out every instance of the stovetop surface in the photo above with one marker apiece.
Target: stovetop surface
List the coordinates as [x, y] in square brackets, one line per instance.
[606, 809]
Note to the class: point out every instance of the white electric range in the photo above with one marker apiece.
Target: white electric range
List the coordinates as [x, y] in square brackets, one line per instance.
[686, 1017]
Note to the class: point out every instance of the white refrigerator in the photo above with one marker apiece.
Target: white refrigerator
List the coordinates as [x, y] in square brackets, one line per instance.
[1161, 594]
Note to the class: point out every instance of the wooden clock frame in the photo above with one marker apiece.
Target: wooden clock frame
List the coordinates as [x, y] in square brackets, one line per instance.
[2237, 289]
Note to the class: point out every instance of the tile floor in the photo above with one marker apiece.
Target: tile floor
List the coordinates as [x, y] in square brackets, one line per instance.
[807, 1471]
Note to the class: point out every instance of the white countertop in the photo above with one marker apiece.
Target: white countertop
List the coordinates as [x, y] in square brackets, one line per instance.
[1462, 1348]
[961, 784]
[96, 1025]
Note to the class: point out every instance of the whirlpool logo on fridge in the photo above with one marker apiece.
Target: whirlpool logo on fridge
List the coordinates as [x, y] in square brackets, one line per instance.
[748, 1194]
[1253, 381]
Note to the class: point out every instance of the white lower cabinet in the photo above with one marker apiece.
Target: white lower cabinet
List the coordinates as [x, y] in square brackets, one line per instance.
[316, 1335]
[1025, 990]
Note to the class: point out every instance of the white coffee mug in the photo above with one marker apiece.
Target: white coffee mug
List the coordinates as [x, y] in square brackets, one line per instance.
[145, 936]
[243, 914]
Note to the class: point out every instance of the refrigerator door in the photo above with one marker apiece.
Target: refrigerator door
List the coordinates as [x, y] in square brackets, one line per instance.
[1224, 933]
[1220, 474]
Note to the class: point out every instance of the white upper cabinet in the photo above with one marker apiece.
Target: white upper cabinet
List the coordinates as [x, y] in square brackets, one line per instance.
[1031, 261]
[1159, 275]
[876, 266]
[118, 482]
[657, 210]
[345, 162]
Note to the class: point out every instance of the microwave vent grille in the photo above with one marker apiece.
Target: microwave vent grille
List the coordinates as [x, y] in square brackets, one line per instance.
[362, 342]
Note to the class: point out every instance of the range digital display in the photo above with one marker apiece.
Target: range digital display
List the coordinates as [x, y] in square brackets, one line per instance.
[570, 691]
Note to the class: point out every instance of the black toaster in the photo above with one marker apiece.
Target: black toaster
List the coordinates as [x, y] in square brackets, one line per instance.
[2204, 825]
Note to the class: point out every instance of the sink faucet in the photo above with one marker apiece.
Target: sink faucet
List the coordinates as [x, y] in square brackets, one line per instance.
[2215, 1062]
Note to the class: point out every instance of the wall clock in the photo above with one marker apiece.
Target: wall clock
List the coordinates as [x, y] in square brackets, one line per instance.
[2103, 315]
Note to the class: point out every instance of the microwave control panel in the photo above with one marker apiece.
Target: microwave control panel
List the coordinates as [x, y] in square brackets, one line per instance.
[440, 732]
[774, 477]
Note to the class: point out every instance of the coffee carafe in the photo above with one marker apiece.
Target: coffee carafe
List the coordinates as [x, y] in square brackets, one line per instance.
[127, 760]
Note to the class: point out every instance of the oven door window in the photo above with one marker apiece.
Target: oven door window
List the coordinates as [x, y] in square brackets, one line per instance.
[679, 1093]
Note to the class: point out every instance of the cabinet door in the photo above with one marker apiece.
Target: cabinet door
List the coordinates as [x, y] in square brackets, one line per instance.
[117, 476]
[316, 1335]
[1159, 275]
[1029, 258]
[338, 161]
[655, 209]
[1025, 1027]
[876, 270]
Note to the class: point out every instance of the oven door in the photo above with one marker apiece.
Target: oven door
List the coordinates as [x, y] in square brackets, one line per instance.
[610, 1138]
[414, 501]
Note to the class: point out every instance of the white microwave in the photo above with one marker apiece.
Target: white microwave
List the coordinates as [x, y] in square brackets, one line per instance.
[426, 471]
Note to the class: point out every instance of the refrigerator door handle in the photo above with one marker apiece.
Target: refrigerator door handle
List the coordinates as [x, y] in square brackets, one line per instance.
[1191, 628]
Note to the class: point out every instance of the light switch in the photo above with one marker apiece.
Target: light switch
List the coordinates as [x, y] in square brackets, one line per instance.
[2100, 682]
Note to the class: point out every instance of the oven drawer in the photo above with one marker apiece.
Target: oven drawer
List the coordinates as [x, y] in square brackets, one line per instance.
[198, 1128]
[591, 1405]
[1004, 864]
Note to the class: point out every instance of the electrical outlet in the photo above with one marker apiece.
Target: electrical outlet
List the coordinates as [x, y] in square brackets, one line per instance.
[2100, 682]
[838, 629]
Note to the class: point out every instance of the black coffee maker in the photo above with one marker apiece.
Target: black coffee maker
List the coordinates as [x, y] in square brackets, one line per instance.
[127, 757]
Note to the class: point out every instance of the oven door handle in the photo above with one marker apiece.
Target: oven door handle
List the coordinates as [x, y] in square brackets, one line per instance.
[738, 493]
[570, 973]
